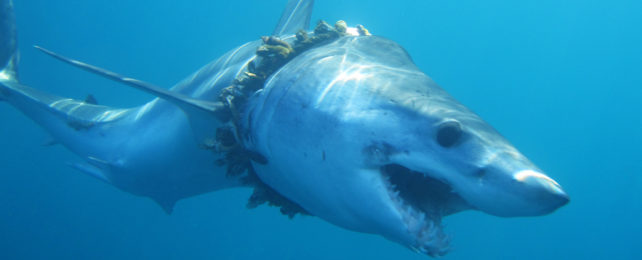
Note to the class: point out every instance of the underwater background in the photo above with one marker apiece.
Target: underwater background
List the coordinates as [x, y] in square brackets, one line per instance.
[561, 79]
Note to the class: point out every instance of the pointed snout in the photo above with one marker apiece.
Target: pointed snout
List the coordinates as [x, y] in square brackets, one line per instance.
[520, 193]
[545, 192]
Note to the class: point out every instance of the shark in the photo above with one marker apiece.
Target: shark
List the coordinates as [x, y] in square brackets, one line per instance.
[347, 129]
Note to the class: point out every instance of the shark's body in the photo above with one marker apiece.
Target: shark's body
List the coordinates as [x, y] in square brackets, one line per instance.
[350, 131]
[149, 150]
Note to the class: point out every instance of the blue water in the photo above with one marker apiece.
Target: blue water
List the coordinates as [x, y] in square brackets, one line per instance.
[561, 79]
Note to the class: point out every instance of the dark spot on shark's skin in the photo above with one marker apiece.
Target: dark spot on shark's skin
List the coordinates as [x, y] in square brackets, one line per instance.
[323, 155]
[304, 106]
[480, 173]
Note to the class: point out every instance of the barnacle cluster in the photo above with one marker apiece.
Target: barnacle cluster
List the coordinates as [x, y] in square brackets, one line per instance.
[270, 57]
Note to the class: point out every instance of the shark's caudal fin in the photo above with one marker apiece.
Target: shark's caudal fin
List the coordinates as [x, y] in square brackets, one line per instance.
[295, 17]
[8, 49]
[68, 121]
[41, 107]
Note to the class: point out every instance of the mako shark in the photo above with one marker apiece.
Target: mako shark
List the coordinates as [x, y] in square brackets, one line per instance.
[349, 130]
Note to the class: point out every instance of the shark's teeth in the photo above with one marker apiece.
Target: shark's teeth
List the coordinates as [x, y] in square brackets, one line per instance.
[430, 238]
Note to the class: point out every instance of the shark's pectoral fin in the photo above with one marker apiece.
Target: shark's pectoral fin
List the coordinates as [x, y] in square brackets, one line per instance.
[204, 115]
[186, 103]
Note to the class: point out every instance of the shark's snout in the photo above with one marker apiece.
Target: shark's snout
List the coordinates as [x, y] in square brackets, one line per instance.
[517, 188]
[546, 192]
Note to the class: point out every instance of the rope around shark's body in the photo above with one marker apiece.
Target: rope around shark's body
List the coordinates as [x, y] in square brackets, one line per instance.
[270, 57]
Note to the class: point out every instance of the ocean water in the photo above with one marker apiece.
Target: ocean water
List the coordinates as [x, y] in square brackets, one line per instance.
[562, 80]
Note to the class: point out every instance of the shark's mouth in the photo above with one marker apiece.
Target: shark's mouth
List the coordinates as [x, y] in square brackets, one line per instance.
[422, 202]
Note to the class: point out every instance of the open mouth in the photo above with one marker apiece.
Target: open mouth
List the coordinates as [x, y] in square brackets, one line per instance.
[423, 201]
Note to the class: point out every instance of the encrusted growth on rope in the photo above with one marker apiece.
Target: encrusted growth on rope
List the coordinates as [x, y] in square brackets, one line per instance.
[270, 57]
[273, 54]
[263, 194]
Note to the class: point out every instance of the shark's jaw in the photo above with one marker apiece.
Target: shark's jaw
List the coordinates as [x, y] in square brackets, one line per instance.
[422, 201]
[433, 197]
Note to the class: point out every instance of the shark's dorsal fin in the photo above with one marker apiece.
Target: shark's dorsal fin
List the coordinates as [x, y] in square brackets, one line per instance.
[295, 17]
[188, 104]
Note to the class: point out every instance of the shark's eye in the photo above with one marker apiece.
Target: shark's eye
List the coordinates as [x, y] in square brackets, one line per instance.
[449, 133]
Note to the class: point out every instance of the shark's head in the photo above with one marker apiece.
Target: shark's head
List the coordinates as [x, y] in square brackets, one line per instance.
[357, 135]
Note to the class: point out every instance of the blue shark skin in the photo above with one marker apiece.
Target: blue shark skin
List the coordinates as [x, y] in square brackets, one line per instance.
[351, 131]
[367, 115]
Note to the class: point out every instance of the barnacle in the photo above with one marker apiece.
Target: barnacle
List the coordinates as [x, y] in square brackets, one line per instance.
[273, 50]
[341, 26]
[362, 30]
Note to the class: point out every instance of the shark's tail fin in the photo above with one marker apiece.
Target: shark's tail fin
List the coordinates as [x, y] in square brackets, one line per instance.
[63, 118]
[8, 49]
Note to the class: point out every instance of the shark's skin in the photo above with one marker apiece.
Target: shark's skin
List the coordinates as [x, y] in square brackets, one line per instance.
[365, 106]
[351, 131]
